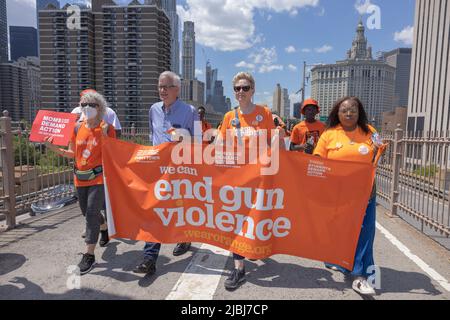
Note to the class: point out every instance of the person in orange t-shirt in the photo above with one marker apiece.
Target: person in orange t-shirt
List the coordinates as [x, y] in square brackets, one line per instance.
[86, 148]
[246, 121]
[207, 136]
[306, 134]
[350, 138]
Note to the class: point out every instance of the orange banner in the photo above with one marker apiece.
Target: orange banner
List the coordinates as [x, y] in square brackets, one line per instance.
[312, 208]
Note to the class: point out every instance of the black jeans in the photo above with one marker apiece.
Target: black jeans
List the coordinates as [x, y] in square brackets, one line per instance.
[91, 200]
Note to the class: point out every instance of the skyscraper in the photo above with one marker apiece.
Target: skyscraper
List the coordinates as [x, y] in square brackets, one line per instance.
[3, 32]
[371, 80]
[15, 90]
[297, 110]
[285, 104]
[429, 90]
[40, 5]
[170, 7]
[23, 42]
[276, 106]
[121, 60]
[400, 59]
[211, 78]
[32, 65]
[188, 51]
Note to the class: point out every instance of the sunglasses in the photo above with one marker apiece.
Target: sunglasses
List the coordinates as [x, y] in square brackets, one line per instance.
[84, 105]
[244, 88]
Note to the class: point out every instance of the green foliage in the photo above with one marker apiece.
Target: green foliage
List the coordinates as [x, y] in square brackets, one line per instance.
[429, 171]
[51, 162]
[138, 140]
[25, 153]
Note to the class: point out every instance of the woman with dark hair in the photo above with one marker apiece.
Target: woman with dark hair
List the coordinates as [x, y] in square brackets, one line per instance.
[349, 137]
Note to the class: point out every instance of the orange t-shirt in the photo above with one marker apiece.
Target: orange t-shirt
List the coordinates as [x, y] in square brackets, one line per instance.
[250, 124]
[205, 126]
[305, 130]
[337, 144]
[87, 144]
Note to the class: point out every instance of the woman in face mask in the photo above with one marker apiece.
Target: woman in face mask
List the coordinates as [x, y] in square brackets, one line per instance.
[85, 148]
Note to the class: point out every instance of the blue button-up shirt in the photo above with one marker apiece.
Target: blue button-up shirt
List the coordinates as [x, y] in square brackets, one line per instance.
[180, 115]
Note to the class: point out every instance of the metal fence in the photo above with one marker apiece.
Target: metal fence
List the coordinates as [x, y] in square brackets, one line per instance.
[414, 178]
[29, 174]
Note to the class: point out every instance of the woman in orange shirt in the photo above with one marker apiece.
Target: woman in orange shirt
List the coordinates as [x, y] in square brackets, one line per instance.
[349, 137]
[86, 148]
[246, 121]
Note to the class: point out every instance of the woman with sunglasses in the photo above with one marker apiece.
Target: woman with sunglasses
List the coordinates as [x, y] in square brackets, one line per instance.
[243, 122]
[86, 148]
[349, 137]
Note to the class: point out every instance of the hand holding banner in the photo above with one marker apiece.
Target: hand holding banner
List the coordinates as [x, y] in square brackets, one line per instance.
[311, 208]
[58, 125]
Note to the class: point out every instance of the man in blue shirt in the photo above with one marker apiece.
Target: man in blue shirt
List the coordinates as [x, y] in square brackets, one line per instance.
[171, 113]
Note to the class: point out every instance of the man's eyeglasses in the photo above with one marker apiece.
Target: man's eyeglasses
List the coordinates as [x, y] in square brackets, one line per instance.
[93, 105]
[165, 87]
[244, 88]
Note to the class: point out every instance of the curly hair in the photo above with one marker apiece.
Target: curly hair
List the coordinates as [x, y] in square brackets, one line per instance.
[333, 119]
[95, 97]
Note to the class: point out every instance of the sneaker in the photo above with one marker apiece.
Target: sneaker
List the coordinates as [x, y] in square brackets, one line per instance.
[236, 279]
[181, 248]
[87, 263]
[331, 267]
[146, 267]
[104, 238]
[363, 287]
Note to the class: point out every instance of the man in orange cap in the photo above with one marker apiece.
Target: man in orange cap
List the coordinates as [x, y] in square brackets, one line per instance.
[306, 134]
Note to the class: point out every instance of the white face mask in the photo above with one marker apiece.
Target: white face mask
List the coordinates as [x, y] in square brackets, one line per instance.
[89, 112]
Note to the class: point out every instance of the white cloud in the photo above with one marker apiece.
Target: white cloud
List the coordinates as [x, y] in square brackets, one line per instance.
[198, 72]
[406, 35]
[292, 67]
[270, 68]
[264, 56]
[321, 12]
[290, 49]
[295, 97]
[219, 30]
[245, 65]
[324, 49]
[293, 13]
[263, 60]
[306, 50]
[21, 13]
[362, 5]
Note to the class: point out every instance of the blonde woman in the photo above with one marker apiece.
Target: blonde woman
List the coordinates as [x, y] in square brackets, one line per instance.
[85, 148]
[253, 118]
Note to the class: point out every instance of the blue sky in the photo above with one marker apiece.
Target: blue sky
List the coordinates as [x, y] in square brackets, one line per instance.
[255, 34]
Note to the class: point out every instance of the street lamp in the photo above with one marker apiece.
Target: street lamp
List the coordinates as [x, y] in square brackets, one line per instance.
[305, 78]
